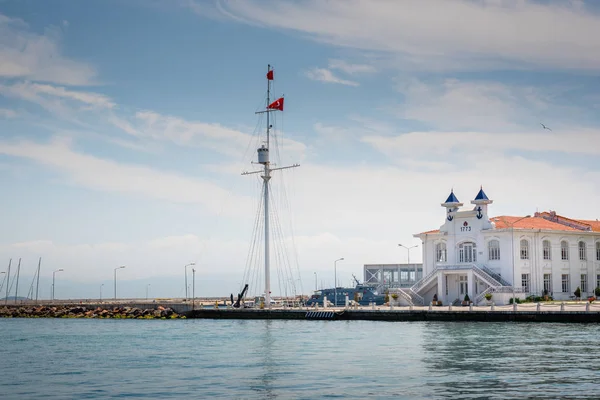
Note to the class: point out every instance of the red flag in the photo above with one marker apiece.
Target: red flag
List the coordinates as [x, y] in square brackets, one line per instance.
[277, 104]
[270, 75]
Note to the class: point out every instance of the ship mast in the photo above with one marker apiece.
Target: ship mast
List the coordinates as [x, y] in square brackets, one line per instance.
[263, 158]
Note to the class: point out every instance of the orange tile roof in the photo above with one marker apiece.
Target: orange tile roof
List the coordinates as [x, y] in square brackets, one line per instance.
[503, 222]
[433, 231]
[594, 224]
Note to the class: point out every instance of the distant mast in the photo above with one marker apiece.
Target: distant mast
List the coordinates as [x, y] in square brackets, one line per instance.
[263, 158]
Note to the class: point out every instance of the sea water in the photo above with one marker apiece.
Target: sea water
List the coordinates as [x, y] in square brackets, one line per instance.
[259, 359]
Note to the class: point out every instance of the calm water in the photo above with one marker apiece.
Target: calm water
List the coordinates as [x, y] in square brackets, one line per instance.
[99, 359]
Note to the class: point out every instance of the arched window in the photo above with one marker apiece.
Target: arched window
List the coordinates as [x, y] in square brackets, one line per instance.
[467, 252]
[582, 251]
[598, 252]
[564, 250]
[547, 253]
[524, 249]
[440, 252]
[494, 250]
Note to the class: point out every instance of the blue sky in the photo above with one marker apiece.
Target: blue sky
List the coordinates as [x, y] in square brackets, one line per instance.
[124, 127]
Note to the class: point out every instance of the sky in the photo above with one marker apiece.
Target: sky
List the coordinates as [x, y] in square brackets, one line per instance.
[125, 126]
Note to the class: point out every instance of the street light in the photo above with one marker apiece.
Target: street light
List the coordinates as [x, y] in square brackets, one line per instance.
[335, 279]
[512, 249]
[53, 277]
[408, 250]
[186, 284]
[193, 286]
[101, 292]
[121, 267]
[147, 286]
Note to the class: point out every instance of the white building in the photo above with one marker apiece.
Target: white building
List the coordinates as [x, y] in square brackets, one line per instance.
[473, 254]
[386, 276]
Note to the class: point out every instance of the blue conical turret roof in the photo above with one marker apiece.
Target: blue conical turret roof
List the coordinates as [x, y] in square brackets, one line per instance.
[452, 198]
[481, 195]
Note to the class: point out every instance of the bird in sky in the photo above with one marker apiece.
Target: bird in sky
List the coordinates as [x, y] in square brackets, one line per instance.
[545, 127]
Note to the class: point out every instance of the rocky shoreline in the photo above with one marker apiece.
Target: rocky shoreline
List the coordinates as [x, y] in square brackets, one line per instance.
[85, 312]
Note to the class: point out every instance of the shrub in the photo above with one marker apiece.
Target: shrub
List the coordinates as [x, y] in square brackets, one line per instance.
[577, 292]
[517, 300]
[467, 297]
[597, 291]
[395, 296]
[488, 296]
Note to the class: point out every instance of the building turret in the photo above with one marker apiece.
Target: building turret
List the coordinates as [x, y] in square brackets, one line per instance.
[452, 204]
[481, 202]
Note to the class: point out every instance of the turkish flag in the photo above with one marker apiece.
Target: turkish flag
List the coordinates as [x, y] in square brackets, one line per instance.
[270, 75]
[277, 104]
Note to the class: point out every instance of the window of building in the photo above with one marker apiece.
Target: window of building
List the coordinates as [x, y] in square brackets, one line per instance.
[494, 250]
[547, 253]
[565, 283]
[404, 275]
[411, 274]
[525, 282]
[464, 285]
[598, 280]
[564, 250]
[440, 252]
[584, 283]
[548, 283]
[467, 252]
[524, 249]
[597, 251]
[582, 251]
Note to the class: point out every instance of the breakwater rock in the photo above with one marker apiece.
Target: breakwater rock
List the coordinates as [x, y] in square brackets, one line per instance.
[85, 312]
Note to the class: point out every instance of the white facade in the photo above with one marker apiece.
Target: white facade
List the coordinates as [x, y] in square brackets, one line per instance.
[473, 254]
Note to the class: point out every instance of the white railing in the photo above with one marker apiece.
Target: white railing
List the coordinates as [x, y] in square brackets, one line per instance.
[496, 276]
[418, 285]
[415, 295]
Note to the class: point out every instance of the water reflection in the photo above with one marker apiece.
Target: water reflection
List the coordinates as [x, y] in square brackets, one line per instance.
[503, 360]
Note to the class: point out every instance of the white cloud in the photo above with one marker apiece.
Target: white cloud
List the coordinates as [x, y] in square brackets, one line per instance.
[325, 75]
[213, 136]
[41, 93]
[106, 175]
[351, 69]
[24, 54]
[6, 113]
[441, 34]
[467, 105]
[445, 144]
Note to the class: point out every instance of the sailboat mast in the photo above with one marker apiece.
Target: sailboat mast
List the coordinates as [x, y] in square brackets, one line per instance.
[263, 158]
[266, 177]
[37, 286]
[8, 281]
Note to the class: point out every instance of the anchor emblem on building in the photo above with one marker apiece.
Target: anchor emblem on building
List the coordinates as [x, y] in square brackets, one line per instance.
[479, 214]
[450, 217]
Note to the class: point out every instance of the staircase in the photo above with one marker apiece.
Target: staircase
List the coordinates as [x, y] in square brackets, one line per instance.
[495, 282]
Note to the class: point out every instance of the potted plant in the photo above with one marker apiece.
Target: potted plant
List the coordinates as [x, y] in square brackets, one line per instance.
[577, 293]
[466, 300]
[488, 297]
[597, 291]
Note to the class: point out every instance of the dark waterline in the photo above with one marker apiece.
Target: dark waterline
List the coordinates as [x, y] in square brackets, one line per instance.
[100, 359]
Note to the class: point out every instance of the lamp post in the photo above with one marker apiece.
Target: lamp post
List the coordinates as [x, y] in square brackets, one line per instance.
[101, 292]
[53, 280]
[512, 249]
[408, 250]
[147, 287]
[121, 267]
[193, 286]
[186, 284]
[335, 279]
